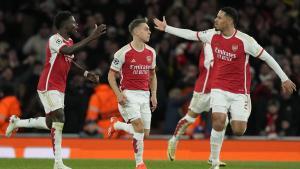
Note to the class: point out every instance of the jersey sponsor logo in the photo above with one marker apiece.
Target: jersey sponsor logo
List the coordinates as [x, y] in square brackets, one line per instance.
[235, 47]
[224, 55]
[140, 69]
[149, 59]
[116, 61]
[133, 61]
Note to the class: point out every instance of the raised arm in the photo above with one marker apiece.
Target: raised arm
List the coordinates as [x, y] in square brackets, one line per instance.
[97, 32]
[183, 33]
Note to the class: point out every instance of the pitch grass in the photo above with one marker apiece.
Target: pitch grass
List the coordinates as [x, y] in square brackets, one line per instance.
[127, 164]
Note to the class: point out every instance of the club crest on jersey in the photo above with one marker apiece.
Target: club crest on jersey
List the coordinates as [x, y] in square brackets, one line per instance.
[235, 47]
[149, 59]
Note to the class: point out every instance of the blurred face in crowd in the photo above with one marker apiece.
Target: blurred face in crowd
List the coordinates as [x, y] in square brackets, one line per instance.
[143, 32]
[71, 25]
[222, 21]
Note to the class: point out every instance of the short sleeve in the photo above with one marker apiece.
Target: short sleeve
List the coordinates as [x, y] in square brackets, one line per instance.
[206, 36]
[252, 47]
[118, 61]
[56, 43]
[153, 65]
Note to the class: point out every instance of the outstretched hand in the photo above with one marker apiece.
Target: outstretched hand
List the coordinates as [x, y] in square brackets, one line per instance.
[98, 31]
[288, 87]
[160, 25]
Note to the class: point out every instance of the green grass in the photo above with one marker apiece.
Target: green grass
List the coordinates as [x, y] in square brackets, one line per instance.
[127, 164]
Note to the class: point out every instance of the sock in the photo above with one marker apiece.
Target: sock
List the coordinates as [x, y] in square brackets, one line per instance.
[124, 126]
[216, 140]
[56, 135]
[39, 123]
[182, 125]
[223, 135]
[138, 147]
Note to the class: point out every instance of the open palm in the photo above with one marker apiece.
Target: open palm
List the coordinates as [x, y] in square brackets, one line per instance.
[160, 25]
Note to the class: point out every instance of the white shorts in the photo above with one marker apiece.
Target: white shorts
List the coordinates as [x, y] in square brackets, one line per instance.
[239, 105]
[200, 103]
[52, 100]
[137, 106]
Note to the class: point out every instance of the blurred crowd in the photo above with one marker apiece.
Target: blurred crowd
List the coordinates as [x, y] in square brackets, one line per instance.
[25, 27]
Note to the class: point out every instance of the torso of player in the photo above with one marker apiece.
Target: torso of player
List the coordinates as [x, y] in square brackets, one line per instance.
[135, 68]
[203, 83]
[231, 71]
[57, 65]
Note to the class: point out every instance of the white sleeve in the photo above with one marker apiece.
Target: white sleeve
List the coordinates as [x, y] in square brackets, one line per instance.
[206, 36]
[56, 43]
[265, 56]
[183, 33]
[252, 47]
[118, 61]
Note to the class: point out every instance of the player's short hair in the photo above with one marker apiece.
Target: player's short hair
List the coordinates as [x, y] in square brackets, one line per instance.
[135, 23]
[61, 17]
[232, 13]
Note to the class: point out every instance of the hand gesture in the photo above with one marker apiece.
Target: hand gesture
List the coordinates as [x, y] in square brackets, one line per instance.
[93, 77]
[98, 31]
[160, 25]
[153, 103]
[288, 87]
[122, 99]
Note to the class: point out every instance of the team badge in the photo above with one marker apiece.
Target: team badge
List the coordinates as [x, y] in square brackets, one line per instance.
[234, 47]
[149, 59]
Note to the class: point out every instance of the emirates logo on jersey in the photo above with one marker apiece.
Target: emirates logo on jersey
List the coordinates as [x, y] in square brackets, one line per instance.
[149, 59]
[235, 47]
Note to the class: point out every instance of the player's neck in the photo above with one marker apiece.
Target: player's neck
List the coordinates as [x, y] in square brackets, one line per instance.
[137, 44]
[64, 34]
[229, 31]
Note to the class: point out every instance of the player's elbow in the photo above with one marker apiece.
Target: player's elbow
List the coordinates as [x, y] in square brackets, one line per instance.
[111, 76]
[67, 50]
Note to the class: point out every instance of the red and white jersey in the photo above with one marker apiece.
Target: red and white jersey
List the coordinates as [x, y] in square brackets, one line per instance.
[205, 64]
[57, 66]
[134, 67]
[231, 70]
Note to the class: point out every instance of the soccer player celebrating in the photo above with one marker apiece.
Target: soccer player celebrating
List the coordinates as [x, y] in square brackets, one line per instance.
[52, 82]
[199, 103]
[136, 64]
[230, 86]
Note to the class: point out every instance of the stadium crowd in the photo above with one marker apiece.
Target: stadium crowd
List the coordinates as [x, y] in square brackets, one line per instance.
[25, 27]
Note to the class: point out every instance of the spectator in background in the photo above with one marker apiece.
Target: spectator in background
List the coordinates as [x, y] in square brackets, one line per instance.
[36, 44]
[288, 115]
[174, 111]
[272, 117]
[103, 104]
[9, 105]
